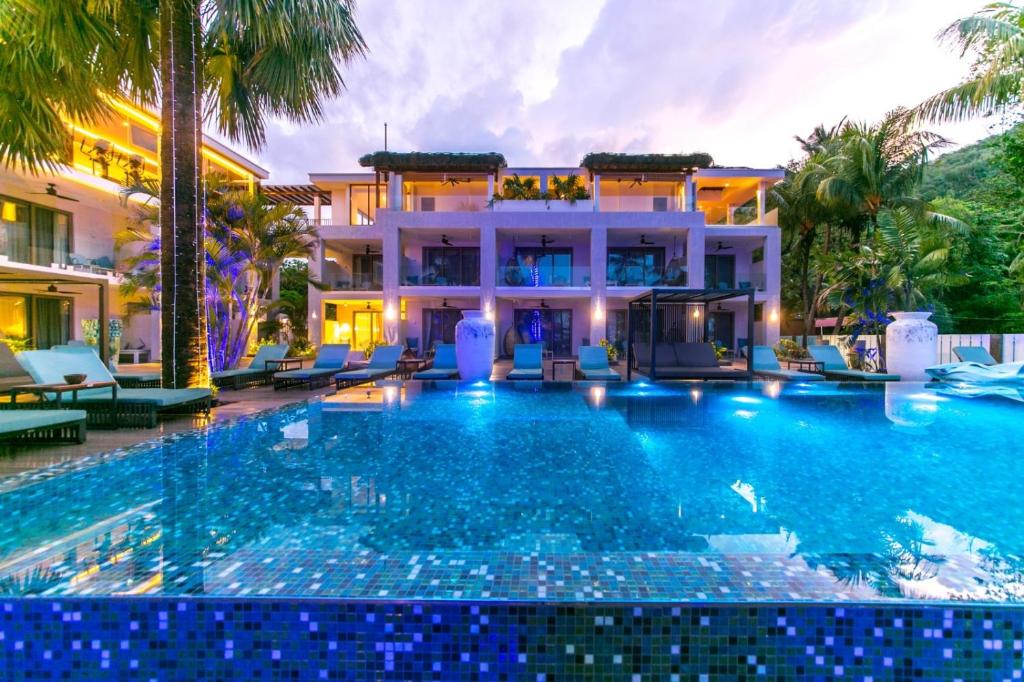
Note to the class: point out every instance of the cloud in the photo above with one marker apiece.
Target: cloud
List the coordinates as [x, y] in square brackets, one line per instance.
[546, 82]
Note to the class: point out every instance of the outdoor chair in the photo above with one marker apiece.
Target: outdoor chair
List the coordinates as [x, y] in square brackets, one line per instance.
[330, 360]
[527, 362]
[444, 367]
[383, 363]
[835, 366]
[258, 373]
[138, 407]
[974, 354]
[594, 364]
[767, 365]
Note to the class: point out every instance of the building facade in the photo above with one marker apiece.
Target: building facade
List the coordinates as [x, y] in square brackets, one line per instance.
[59, 268]
[408, 245]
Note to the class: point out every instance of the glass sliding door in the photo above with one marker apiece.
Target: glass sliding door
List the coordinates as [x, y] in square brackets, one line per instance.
[545, 267]
[14, 316]
[719, 272]
[367, 326]
[635, 266]
[439, 326]
[367, 272]
[454, 266]
[547, 326]
[51, 321]
[17, 232]
[34, 234]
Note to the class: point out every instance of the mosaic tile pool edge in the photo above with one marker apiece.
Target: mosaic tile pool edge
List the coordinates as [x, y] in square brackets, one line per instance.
[231, 639]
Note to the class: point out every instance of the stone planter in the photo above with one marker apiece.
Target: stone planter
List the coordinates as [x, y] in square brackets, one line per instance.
[474, 346]
[520, 205]
[911, 345]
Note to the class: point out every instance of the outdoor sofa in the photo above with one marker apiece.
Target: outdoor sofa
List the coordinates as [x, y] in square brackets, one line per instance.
[683, 360]
[383, 363]
[42, 426]
[767, 365]
[444, 367]
[834, 366]
[330, 360]
[258, 373]
[105, 407]
[527, 362]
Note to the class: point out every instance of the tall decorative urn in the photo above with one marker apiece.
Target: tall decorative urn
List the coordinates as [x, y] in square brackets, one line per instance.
[474, 346]
[911, 344]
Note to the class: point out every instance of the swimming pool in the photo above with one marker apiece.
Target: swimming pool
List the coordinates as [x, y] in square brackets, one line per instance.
[636, 493]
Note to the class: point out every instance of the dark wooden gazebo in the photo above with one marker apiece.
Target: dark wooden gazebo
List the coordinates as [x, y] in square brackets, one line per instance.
[666, 316]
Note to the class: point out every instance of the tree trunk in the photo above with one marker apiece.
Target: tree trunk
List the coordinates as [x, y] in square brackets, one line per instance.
[185, 352]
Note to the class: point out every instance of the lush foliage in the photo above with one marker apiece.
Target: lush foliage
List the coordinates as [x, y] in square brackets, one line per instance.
[610, 349]
[434, 162]
[602, 162]
[248, 242]
[859, 239]
[570, 188]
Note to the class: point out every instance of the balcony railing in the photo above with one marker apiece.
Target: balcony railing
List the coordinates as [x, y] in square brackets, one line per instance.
[636, 276]
[543, 276]
[414, 275]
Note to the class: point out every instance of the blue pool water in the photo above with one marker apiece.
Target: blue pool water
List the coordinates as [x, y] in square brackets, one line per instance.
[754, 492]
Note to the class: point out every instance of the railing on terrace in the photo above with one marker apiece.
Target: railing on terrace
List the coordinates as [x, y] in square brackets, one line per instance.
[345, 281]
[415, 275]
[527, 276]
[638, 276]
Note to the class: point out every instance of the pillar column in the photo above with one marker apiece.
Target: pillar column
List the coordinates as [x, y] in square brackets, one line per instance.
[392, 259]
[596, 191]
[598, 282]
[773, 285]
[690, 192]
[730, 214]
[695, 258]
[490, 186]
[314, 321]
[488, 279]
[762, 194]
[316, 209]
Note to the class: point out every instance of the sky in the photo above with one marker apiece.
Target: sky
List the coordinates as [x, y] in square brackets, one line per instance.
[546, 82]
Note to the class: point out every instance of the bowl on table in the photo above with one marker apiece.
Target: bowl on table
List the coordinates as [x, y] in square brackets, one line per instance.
[74, 378]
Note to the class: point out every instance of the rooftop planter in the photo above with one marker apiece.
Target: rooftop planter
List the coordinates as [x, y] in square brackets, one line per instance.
[434, 162]
[519, 205]
[606, 162]
[524, 194]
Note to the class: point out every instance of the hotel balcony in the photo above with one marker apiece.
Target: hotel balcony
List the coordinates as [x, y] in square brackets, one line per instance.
[543, 274]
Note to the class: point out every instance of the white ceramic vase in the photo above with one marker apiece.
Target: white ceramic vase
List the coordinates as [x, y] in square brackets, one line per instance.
[911, 345]
[474, 346]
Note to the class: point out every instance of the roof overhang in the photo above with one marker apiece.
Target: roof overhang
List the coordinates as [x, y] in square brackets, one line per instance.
[300, 195]
[691, 296]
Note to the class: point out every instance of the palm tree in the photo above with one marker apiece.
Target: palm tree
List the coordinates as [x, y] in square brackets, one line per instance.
[876, 166]
[251, 58]
[995, 38]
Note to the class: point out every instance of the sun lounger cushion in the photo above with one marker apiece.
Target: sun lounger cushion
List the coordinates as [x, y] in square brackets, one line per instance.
[528, 374]
[435, 373]
[445, 364]
[49, 367]
[12, 421]
[789, 375]
[594, 364]
[833, 362]
[161, 397]
[695, 355]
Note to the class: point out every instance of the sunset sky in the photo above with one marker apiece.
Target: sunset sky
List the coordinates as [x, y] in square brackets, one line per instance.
[546, 82]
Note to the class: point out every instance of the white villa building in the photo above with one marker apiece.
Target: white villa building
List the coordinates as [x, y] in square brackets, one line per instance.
[418, 238]
[58, 262]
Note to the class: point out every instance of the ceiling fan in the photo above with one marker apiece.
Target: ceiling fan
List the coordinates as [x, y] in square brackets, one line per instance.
[445, 240]
[52, 289]
[51, 190]
[543, 304]
[722, 247]
[444, 303]
[639, 180]
[545, 240]
[452, 181]
[371, 252]
[644, 241]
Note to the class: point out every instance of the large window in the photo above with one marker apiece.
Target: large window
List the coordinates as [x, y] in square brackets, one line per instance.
[362, 203]
[548, 327]
[44, 320]
[540, 267]
[34, 234]
[453, 266]
[635, 266]
[367, 272]
[719, 272]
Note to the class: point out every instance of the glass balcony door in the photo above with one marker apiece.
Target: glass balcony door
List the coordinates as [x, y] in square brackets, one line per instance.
[544, 267]
[367, 272]
[439, 326]
[452, 266]
[635, 266]
[719, 272]
[547, 326]
[367, 326]
[34, 234]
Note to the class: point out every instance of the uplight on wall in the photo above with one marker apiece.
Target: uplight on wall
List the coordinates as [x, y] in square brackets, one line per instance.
[598, 311]
[390, 314]
[696, 313]
[488, 312]
[773, 315]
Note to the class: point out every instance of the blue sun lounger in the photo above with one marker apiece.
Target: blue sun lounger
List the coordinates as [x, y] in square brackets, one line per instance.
[103, 406]
[974, 354]
[594, 364]
[330, 360]
[835, 366]
[767, 365]
[444, 367]
[383, 363]
[258, 373]
[527, 363]
[42, 426]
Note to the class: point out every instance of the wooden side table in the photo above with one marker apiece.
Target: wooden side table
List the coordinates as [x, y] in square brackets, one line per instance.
[563, 361]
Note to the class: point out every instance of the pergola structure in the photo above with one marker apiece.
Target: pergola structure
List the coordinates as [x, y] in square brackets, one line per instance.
[669, 315]
[101, 285]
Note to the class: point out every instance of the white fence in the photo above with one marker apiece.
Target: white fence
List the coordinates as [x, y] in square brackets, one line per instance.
[1012, 344]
